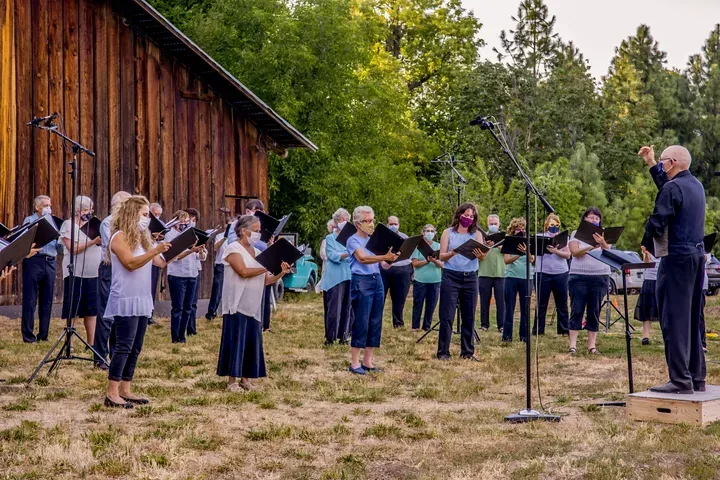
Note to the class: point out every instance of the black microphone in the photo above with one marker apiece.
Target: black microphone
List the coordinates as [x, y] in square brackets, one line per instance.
[484, 123]
[38, 120]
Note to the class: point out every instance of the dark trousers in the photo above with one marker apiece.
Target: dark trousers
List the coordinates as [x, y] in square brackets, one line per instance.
[154, 280]
[338, 308]
[367, 297]
[586, 296]
[192, 322]
[267, 307]
[426, 294]
[104, 331]
[130, 333]
[486, 287]
[702, 319]
[182, 290]
[216, 293]
[38, 287]
[514, 288]
[397, 281]
[679, 298]
[557, 284]
[457, 290]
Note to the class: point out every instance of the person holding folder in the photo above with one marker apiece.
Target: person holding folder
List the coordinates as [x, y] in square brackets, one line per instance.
[397, 278]
[587, 284]
[103, 327]
[218, 270]
[552, 277]
[38, 279]
[156, 210]
[646, 309]
[426, 283]
[516, 284]
[88, 255]
[336, 283]
[241, 345]
[182, 278]
[192, 323]
[366, 292]
[491, 279]
[459, 284]
[132, 252]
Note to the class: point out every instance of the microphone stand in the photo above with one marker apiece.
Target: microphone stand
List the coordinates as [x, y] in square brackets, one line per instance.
[528, 414]
[69, 331]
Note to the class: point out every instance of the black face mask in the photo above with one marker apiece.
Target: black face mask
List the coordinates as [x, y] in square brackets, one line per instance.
[520, 233]
[85, 217]
[183, 226]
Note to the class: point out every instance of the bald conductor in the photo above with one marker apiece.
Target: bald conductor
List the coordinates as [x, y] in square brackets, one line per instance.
[677, 227]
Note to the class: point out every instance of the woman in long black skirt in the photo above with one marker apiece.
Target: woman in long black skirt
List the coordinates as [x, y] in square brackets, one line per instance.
[241, 349]
[646, 309]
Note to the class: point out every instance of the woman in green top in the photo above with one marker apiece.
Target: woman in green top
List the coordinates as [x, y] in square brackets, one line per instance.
[516, 283]
[491, 276]
[426, 281]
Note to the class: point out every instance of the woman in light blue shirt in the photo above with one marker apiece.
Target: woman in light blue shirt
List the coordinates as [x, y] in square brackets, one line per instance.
[336, 283]
[366, 292]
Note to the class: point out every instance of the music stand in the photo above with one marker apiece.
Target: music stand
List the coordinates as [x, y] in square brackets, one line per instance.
[616, 261]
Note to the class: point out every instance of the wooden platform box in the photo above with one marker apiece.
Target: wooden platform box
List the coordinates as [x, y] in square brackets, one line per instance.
[699, 408]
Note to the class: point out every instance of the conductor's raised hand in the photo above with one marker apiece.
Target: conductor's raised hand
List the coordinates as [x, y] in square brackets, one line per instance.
[600, 239]
[391, 256]
[648, 155]
[162, 247]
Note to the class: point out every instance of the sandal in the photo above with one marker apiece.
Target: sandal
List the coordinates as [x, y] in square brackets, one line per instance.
[594, 351]
[234, 387]
[572, 351]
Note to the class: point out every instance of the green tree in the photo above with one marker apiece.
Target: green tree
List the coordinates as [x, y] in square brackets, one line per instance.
[585, 167]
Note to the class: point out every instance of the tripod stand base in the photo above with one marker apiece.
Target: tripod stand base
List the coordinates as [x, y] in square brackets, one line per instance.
[525, 416]
[64, 353]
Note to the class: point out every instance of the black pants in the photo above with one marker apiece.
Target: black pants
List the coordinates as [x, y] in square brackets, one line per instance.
[702, 319]
[514, 288]
[154, 279]
[38, 287]
[557, 284]
[486, 287]
[679, 298]
[586, 296]
[182, 290]
[424, 294]
[130, 333]
[267, 307]
[216, 293]
[457, 290]
[192, 322]
[104, 331]
[397, 280]
[338, 308]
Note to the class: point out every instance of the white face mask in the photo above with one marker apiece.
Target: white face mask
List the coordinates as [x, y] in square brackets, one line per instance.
[46, 211]
[255, 237]
[429, 236]
[192, 224]
[143, 223]
[394, 228]
[341, 225]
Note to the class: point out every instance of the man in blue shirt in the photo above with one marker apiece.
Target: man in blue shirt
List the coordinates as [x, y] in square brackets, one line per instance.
[38, 279]
[397, 279]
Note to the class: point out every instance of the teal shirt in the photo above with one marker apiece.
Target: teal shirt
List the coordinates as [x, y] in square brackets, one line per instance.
[335, 270]
[494, 264]
[429, 273]
[517, 268]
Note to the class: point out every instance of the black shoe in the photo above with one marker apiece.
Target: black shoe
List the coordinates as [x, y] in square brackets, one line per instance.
[398, 326]
[151, 321]
[136, 401]
[646, 341]
[426, 329]
[443, 357]
[670, 387]
[699, 387]
[110, 404]
[484, 329]
[102, 366]
[500, 329]
[523, 339]
[34, 340]
[343, 342]
[328, 343]
[373, 369]
[210, 316]
[472, 358]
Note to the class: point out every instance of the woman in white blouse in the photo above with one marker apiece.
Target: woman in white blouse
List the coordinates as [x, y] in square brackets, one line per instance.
[241, 350]
[88, 256]
[130, 303]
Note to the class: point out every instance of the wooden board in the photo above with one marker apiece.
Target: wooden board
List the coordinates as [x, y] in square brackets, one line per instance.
[699, 409]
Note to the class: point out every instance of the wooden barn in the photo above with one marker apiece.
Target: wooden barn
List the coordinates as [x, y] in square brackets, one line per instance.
[165, 120]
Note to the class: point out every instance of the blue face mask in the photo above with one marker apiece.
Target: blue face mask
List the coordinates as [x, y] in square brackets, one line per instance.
[597, 224]
[493, 228]
[554, 229]
[394, 228]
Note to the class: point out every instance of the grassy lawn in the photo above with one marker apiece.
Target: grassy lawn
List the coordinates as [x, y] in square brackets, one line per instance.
[312, 419]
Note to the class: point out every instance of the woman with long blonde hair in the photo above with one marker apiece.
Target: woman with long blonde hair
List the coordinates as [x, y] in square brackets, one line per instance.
[132, 253]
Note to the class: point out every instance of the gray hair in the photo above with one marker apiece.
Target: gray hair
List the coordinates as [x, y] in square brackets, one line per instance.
[331, 225]
[155, 206]
[359, 211]
[82, 203]
[429, 225]
[493, 215]
[38, 200]
[246, 221]
[339, 214]
[119, 197]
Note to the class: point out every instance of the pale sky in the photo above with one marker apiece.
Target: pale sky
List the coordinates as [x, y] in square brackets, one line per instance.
[597, 27]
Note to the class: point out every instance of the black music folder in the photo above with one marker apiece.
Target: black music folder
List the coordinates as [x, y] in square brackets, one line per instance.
[709, 241]
[348, 231]
[269, 226]
[280, 251]
[204, 236]
[5, 231]
[427, 250]
[382, 239]
[158, 226]
[47, 231]
[615, 259]
[467, 249]
[586, 230]
[92, 228]
[409, 246]
[179, 244]
[540, 243]
[496, 238]
[511, 244]
[13, 252]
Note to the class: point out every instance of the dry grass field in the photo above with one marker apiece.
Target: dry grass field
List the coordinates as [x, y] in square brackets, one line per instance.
[420, 419]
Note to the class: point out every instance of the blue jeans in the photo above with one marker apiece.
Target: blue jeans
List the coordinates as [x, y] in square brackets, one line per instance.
[557, 284]
[586, 293]
[182, 292]
[130, 333]
[368, 297]
[216, 294]
[515, 287]
[424, 294]
[457, 290]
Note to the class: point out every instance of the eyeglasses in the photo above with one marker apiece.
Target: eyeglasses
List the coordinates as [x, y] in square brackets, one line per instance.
[367, 221]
